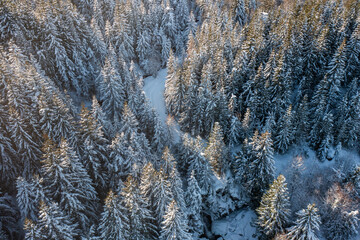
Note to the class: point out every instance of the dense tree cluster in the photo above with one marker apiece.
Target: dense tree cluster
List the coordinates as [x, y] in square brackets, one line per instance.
[84, 156]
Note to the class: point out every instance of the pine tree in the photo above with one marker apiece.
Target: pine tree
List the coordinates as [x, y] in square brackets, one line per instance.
[119, 164]
[114, 222]
[159, 139]
[56, 120]
[307, 223]
[216, 150]
[123, 39]
[273, 212]
[240, 12]
[9, 168]
[352, 55]
[99, 116]
[301, 121]
[174, 225]
[193, 200]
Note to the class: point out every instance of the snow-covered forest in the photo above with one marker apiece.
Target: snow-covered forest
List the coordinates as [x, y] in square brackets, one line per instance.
[179, 119]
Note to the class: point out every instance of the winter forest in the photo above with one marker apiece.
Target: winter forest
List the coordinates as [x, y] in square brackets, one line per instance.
[179, 119]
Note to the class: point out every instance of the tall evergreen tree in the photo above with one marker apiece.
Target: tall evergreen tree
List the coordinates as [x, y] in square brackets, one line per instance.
[261, 169]
[114, 222]
[285, 131]
[307, 223]
[193, 200]
[140, 218]
[54, 224]
[273, 212]
[67, 182]
[112, 89]
[216, 150]
[93, 148]
[174, 225]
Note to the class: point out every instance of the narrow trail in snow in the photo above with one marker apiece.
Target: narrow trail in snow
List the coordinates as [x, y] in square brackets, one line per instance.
[154, 90]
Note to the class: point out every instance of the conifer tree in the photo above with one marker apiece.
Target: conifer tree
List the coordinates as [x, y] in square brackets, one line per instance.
[285, 133]
[56, 120]
[114, 222]
[161, 193]
[93, 148]
[234, 131]
[129, 123]
[32, 231]
[112, 89]
[67, 182]
[54, 224]
[261, 169]
[159, 139]
[273, 212]
[216, 150]
[193, 200]
[176, 186]
[10, 217]
[98, 114]
[28, 151]
[174, 226]
[9, 168]
[119, 165]
[140, 218]
[306, 224]
[29, 194]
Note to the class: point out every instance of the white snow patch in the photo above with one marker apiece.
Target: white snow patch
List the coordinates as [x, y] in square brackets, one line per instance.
[154, 88]
[283, 162]
[238, 225]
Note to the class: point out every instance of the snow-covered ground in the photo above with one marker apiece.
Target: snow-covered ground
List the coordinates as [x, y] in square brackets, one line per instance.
[154, 90]
[238, 225]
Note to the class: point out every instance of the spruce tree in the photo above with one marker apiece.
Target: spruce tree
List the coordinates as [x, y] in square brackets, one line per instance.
[114, 222]
[161, 193]
[306, 224]
[29, 194]
[285, 134]
[273, 212]
[193, 201]
[174, 226]
[93, 148]
[216, 150]
[112, 89]
[54, 224]
[261, 169]
[141, 221]
[67, 182]
[32, 231]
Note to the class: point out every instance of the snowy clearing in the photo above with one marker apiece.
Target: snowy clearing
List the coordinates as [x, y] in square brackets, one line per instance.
[238, 225]
[154, 90]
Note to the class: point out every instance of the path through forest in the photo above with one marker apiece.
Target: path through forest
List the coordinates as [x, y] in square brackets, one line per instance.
[154, 90]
